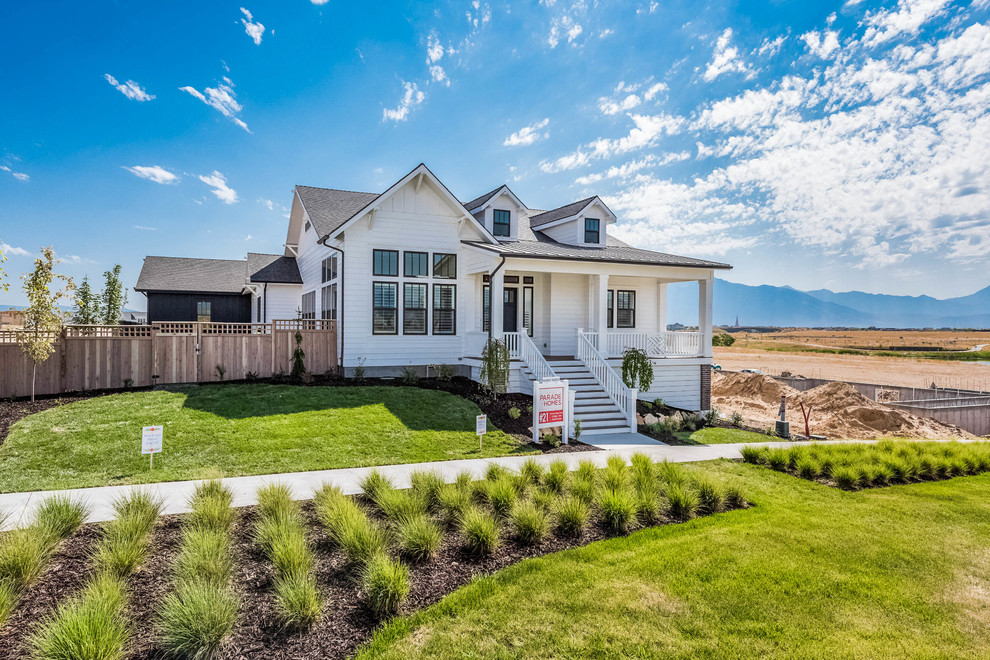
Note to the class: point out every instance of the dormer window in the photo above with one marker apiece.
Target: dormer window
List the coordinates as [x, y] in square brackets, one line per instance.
[592, 233]
[500, 223]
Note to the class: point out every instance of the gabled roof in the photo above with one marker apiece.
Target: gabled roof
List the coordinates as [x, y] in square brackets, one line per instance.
[479, 202]
[187, 275]
[272, 268]
[329, 208]
[566, 211]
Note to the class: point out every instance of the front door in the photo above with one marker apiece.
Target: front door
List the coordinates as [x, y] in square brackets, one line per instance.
[510, 309]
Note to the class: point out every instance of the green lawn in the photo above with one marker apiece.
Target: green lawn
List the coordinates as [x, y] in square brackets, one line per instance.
[715, 435]
[810, 572]
[231, 430]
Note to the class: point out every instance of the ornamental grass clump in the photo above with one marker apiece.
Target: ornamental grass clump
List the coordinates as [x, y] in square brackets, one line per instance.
[494, 472]
[58, 517]
[556, 478]
[204, 555]
[808, 468]
[529, 523]
[125, 540]
[452, 501]
[586, 470]
[583, 489]
[617, 509]
[419, 538]
[400, 505]
[480, 532]
[572, 516]
[427, 485]
[502, 494]
[374, 483]
[90, 626]
[670, 474]
[531, 472]
[711, 499]
[845, 477]
[682, 502]
[754, 455]
[385, 584]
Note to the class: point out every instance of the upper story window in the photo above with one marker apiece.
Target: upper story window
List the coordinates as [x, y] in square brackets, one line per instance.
[330, 268]
[417, 264]
[501, 223]
[592, 233]
[386, 263]
[445, 266]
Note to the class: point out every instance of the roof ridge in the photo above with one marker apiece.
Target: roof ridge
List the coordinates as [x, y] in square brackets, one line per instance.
[162, 256]
[358, 192]
[577, 201]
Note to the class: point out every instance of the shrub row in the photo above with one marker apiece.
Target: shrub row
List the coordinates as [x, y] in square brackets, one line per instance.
[281, 534]
[853, 466]
[94, 624]
[25, 551]
[198, 615]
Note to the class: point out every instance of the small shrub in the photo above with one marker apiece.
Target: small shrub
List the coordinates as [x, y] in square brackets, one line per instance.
[495, 471]
[374, 483]
[578, 429]
[552, 440]
[445, 372]
[427, 485]
[586, 470]
[808, 468]
[452, 501]
[58, 517]
[711, 499]
[480, 532]
[614, 479]
[845, 477]
[361, 539]
[358, 371]
[204, 555]
[734, 497]
[409, 376]
[682, 502]
[556, 477]
[23, 554]
[91, 626]
[275, 500]
[711, 417]
[399, 505]
[647, 508]
[196, 618]
[514, 413]
[502, 495]
[419, 538]
[385, 584]
[618, 509]
[736, 419]
[298, 599]
[583, 489]
[529, 522]
[658, 404]
[572, 516]
[670, 474]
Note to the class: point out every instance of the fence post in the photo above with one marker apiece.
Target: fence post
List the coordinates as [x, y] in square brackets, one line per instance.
[61, 357]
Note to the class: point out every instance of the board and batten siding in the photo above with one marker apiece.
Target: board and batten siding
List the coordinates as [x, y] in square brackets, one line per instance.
[414, 221]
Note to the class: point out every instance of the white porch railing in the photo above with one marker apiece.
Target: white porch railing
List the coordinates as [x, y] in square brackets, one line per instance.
[623, 397]
[522, 347]
[655, 344]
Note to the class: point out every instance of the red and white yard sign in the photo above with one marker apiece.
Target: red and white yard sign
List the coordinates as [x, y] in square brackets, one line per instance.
[550, 407]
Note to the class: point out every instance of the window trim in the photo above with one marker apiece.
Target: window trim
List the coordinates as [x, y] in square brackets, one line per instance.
[308, 311]
[437, 255]
[374, 253]
[425, 308]
[328, 294]
[596, 231]
[496, 213]
[453, 310]
[405, 263]
[395, 309]
[329, 269]
[632, 298]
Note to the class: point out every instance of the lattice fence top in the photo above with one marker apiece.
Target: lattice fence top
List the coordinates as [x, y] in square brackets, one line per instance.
[180, 328]
[305, 324]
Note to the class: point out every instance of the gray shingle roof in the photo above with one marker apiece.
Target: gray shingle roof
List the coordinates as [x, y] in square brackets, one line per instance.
[275, 268]
[615, 252]
[183, 274]
[479, 201]
[329, 208]
[553, 215]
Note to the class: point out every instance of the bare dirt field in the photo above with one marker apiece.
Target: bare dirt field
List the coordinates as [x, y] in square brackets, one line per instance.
[858, 368]
[877, 340]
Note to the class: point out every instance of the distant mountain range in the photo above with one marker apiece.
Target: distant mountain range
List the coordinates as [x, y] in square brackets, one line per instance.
[784, 306]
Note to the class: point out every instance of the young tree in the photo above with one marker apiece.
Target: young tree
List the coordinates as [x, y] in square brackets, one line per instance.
[87, 305]
[495, 366]
[3, 275]
[42, 319]
[113, 298]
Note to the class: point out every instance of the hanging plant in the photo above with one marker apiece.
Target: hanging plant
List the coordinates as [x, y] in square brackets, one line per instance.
[637, 369]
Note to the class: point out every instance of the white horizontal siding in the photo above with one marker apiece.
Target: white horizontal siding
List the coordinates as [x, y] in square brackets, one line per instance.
[679, 385]
[646, 301]
[283, 301]
[568, 311]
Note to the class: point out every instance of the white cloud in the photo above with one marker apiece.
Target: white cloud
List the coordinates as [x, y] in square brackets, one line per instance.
[527, 135]
[155, 173]
[907, 18]
[434, 50]
[725, 58]
[143, 228]
[222, 99]
[613, 106]
[771, 47]
[319, 2]
[627, 170]
[563, 26]
[821, 44]
[221, 190]
[412, 96]
[646, 132]
[130, 89]
[254, 29]
[9, 250]
[439, 75]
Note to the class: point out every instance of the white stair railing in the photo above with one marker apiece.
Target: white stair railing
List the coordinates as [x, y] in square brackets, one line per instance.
[522, 347]
[655, 344]
[623, 397]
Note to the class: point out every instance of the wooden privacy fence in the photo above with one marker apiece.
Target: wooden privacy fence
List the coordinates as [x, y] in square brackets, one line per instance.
[92, 357]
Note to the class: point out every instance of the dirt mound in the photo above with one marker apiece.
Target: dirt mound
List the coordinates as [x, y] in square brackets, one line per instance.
[838, 410]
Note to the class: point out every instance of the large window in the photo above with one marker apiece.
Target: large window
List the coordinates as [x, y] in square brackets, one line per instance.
[501, 223]
[625, 309]
[328, 298]
[330, 268]
[414, 309]
[444, 314]
[203, 314]
[385, 311]
[309, 305]
[386, 263]
[528, 309]
[445, 266]
[417, 264]
[591, 230]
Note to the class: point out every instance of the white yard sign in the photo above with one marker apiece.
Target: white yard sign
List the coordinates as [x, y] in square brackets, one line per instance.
[550, 407]
[151, 441]
[481, 424]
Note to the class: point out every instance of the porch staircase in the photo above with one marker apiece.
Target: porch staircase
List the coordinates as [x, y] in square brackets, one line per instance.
[592, 406]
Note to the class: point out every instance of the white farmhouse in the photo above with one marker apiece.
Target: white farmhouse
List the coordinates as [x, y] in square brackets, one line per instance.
[410, 275]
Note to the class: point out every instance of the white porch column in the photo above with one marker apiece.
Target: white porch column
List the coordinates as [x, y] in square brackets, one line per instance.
[497, 302]
[661, 307]
[601, 322]
[705, 315]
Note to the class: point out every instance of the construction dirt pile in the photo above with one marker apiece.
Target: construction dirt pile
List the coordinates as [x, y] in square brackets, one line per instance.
[837, 409]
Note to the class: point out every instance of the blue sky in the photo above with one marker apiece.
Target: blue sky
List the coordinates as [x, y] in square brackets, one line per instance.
[813, 144]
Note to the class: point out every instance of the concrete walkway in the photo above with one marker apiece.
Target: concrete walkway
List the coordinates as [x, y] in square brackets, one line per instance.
[176, 494]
